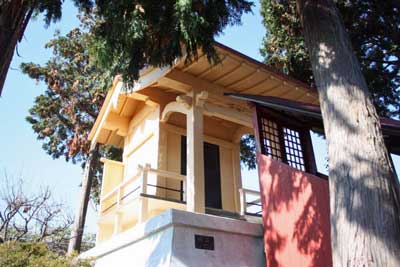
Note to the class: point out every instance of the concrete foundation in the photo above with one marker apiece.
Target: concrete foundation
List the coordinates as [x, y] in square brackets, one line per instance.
[179, 238]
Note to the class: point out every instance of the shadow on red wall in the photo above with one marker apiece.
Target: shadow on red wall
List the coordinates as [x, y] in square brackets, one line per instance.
[295, 216]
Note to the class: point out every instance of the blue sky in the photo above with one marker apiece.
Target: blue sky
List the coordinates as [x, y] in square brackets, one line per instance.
[21, 154]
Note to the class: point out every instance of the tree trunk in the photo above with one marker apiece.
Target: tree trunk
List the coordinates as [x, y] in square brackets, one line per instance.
[364, 200]
[80, 216]
[14, 17]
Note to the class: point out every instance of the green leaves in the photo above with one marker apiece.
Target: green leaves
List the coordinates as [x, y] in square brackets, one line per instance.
[374, 30]
[134, 34]
[248, 152]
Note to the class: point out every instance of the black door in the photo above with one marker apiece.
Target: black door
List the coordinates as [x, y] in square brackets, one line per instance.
[212, 173]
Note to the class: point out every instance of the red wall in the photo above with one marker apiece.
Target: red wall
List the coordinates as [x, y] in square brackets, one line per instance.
[295, 216]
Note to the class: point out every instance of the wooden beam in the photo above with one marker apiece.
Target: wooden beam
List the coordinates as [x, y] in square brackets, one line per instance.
[115, 122]
[175, 85]
[195, 82]
[150, 78]
[172, 108]
[209, 139]
[240, 132]
[216, 91]
[138, 96]
[228, 114]
[111, 98]
[141, 97]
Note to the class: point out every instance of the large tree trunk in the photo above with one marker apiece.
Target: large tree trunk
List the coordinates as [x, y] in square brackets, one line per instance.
[365, 224]
[14, 17]
[80, 216]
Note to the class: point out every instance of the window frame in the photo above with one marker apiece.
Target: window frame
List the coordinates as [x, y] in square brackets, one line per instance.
[286, 121]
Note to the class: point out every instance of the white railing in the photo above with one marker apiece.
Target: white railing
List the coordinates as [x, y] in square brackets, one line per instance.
[250, 202]
[135, 186]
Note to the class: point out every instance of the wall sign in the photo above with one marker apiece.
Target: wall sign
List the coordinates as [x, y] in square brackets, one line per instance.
[204, 242]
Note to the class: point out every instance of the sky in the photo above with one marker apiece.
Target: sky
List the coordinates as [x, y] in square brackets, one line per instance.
[21, 154]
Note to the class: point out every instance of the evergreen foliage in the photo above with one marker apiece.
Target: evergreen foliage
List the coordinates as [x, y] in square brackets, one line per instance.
[136, 34]
[373, 27]
[64, 114]
[248, 151]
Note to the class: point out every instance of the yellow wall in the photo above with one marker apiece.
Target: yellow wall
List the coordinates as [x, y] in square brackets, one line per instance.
[113, 173]
[141, 147]
[226, 148]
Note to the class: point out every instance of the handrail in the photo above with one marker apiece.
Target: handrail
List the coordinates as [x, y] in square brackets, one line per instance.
[142, 171]
[243, 199]
[251, 192]
[168, 174]
[112, 192]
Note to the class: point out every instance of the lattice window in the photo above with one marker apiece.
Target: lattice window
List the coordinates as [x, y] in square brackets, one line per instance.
[293, 150]
[271, 141]
[282, 143]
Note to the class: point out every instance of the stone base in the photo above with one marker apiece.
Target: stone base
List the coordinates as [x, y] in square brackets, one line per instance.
[171, 238]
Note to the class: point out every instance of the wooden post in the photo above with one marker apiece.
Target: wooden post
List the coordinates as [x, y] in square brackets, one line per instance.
[117, 223]
[195, 198]
[237, 175]
[243, 201]
[308, 151]
[144, 178]
[143, 206]
[80, 216]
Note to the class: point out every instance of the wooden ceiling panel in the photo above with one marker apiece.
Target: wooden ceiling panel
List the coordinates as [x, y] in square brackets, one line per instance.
[221, 70]
[262, 86]
[287, 92]
[198, 66]
[235, 76]
[250, 81]
[282, 91]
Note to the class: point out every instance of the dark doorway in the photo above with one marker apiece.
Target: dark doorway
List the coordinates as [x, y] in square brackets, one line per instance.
[212, 173]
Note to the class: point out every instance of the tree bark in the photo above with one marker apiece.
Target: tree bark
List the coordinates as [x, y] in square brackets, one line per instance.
[80, 216]
[14, 17]
[364, 198]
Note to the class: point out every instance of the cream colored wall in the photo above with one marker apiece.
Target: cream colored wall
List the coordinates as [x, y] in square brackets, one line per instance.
[112, 176]
[229, 189]
[113, 173]
[104, 232]
[227, 185]
[173, 162]
[141, 147]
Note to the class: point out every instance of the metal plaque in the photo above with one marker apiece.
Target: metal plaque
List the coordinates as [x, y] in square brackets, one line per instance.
[204, 242]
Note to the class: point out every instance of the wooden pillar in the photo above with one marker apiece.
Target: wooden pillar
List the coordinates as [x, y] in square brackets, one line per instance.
[117, 223]
[308, 150]
[195, 200]
[237, 175]
[143, 209]
[143, 201]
